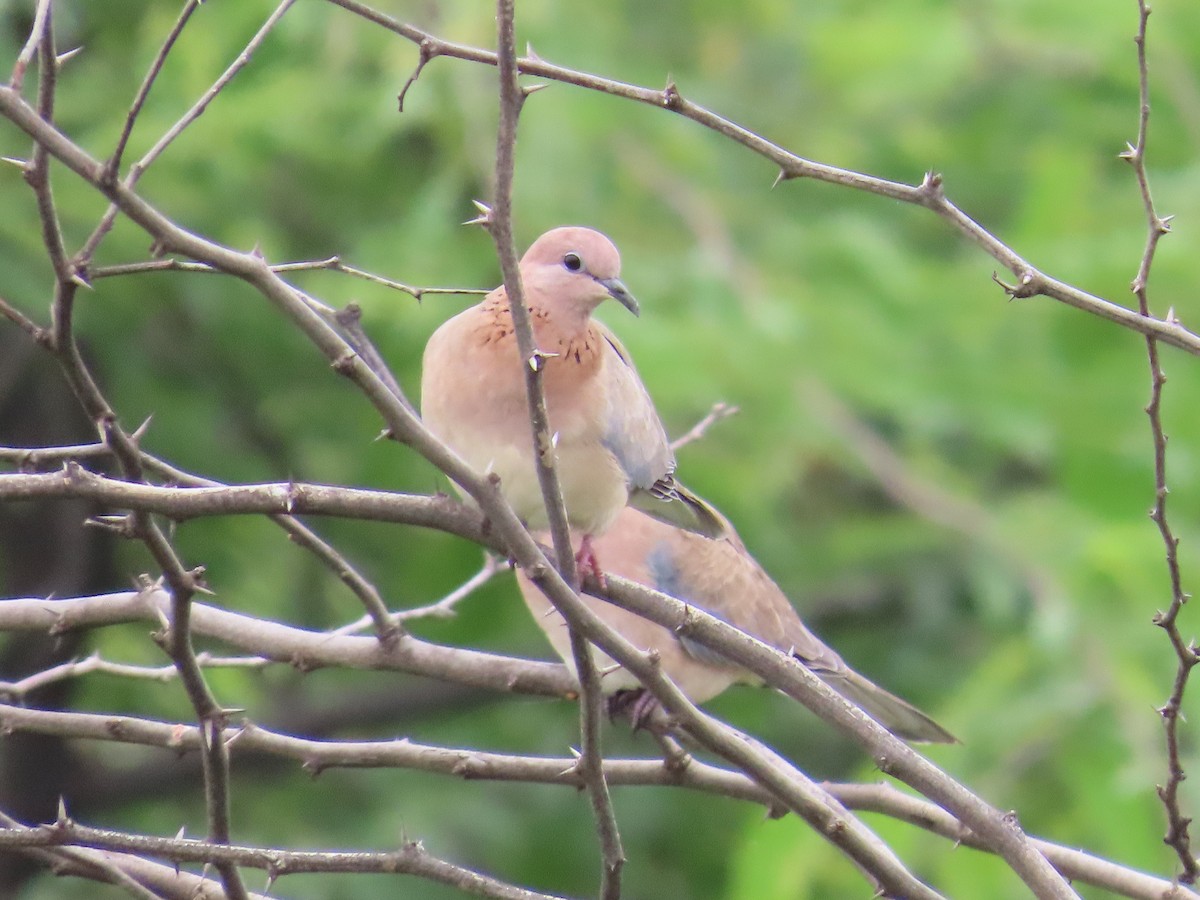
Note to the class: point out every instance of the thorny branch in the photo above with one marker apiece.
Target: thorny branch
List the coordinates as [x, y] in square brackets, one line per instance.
[330, 264]
[930, 193]
[446, 606]
[172, 239]
[184, 582]
[499, 222]
[309, 649]
[110, 174]
[41, 20]
[410, 859]
[386, 628]
[833, 822]
[114, 162]
[303, 649]
[718, 412]
[124, 870]
[1177, 836]
[472, 764]
[17, 690]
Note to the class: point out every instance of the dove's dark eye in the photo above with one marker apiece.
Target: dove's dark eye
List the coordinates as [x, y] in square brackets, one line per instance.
[573, 262]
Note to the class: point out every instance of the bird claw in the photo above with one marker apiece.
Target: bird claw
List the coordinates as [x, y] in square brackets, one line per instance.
[586, 563]
[638, 705]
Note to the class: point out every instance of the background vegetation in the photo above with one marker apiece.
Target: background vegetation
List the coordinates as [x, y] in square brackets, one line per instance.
[1001, 572]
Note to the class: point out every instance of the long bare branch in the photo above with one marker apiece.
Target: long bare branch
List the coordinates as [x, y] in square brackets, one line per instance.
[476, 765]
[1177, 837]
[929, 193]
[297, 647]
[410, 859]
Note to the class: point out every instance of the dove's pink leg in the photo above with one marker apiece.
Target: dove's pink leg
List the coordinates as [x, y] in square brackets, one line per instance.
[587, 564]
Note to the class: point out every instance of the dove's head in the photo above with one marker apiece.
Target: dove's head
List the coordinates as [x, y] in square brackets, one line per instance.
[575, 269]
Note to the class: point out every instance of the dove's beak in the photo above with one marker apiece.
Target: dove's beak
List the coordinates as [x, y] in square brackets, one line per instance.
[617, 290]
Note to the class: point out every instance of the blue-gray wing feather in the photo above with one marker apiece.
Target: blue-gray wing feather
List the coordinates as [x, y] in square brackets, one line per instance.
[633, 432]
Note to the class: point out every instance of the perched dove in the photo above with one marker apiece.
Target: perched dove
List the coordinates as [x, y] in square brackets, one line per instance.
[719, 577]
[611, 446]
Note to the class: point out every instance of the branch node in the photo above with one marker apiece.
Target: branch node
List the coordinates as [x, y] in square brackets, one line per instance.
[671, 98]
[120, 524]
[197, 581]
[1028, 285]
[108, 174]
[932, 190]
[344, 364]
[428, 49]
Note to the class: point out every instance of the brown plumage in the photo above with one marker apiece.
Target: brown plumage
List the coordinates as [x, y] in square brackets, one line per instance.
[609, 441]
[722, 578]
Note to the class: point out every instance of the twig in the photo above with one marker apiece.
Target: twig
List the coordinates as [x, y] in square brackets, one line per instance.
[350, 322]
[41, 19]
[201, 105]
[445, 607]
[183, 582]
[39, 334]
[98, 868]
[929, 193]
[84, 257]
[114, 162]
[304, 650]
[473, 765]
[167, 882]
[834, 823]
[499, 223]
[410, 859]
[331, 264]
[96, 664]
[304, 537]
[426, 51]
[32, 459]
[718, 412]
[183, 503]
[891, 755]
[1177, 837]
[37, 173]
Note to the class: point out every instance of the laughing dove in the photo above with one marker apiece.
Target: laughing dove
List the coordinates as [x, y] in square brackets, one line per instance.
[721, 578]
[610, 444]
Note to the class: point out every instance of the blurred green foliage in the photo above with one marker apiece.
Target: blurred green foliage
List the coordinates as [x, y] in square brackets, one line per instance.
[1015, 605]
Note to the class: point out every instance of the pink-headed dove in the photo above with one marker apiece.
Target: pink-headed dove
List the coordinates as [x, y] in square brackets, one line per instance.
[721, 578]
